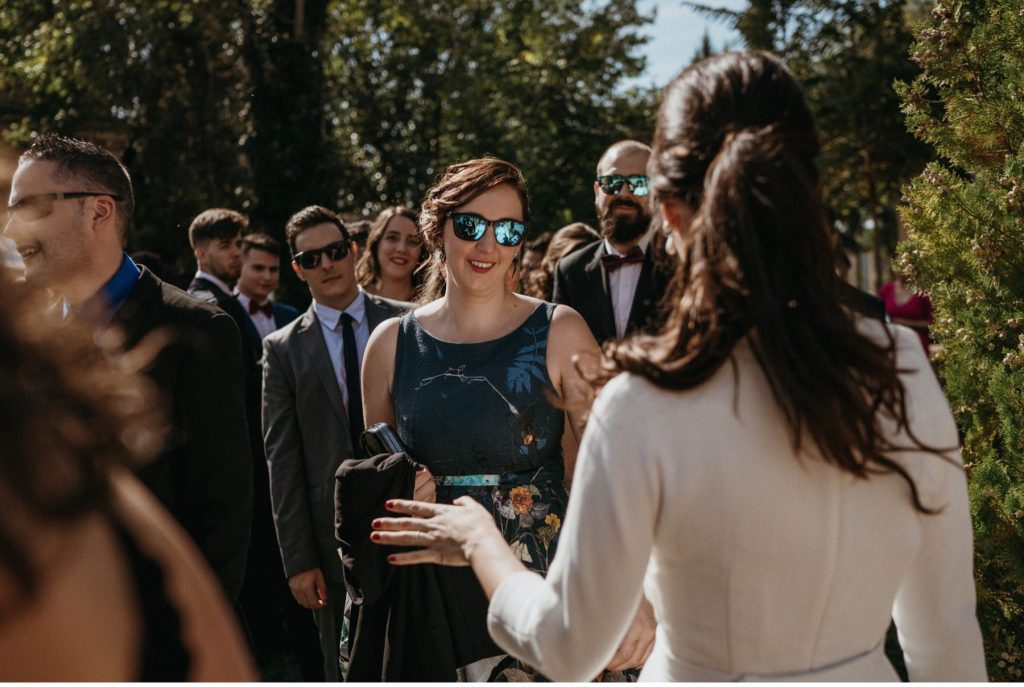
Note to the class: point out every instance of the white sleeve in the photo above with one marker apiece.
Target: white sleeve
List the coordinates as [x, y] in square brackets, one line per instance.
[935, 608]
[569, 625]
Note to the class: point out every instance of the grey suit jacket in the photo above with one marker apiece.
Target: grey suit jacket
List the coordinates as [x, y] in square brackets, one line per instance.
[306, 435]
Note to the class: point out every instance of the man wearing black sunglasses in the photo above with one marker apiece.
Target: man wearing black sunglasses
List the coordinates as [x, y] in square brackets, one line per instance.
[70, 206]
[313, 413]
[616, 284]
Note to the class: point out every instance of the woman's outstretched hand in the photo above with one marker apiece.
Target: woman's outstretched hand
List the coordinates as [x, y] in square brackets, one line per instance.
[442, 534]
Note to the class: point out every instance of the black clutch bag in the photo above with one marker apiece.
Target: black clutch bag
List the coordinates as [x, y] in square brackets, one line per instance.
[381, 438]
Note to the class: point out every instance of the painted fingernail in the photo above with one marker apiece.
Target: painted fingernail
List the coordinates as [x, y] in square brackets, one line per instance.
[389, 505]
[391, 559]
[375, 524]
[375, 536]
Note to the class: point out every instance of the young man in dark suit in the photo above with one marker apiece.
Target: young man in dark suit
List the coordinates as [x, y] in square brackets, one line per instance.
[70, 206]
[260, 276]
[312, 412]
[617, 284]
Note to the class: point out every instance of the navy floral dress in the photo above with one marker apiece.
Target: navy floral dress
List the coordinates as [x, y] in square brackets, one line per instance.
[479, 417]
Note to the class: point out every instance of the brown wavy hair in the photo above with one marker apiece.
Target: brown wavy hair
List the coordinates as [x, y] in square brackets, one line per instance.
[368, 270]
[566, 240]
[735, 142]
[455, 187]
[72, 407]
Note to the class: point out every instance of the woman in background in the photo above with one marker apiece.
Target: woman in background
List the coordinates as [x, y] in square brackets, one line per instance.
[97, 582]
[540, 282]
[393, 253]
[780, 476]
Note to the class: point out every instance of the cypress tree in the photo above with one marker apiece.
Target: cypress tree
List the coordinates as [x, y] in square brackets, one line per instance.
[965, 221]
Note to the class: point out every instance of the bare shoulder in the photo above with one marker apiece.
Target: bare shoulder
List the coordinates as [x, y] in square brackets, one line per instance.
[384, 337]
[210, 631]
[568, 326]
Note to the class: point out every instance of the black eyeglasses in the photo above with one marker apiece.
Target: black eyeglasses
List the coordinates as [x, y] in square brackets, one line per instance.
[310, 259]
[611, 183]
[40, 205]
[470, 227]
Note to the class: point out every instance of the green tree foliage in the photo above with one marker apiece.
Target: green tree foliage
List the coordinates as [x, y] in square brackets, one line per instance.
[965, 216]
[422, 85]
[160, 81]
[847, 54]
[270, 105]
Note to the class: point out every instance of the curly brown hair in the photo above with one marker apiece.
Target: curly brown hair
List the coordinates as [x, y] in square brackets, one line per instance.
[566, 240]
[71, 408]
[456, 186]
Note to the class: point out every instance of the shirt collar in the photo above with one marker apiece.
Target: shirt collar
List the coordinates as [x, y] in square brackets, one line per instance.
[113, 294]
[219, 283]
[330, 316]
[645, 241]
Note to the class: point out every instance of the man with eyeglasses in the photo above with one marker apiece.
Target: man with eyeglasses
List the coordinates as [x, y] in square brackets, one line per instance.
[312, 412]
[70, 207]
[617, 284]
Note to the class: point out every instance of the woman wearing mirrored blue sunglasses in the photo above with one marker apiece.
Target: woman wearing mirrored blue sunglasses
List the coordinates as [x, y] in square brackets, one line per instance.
[791, 477]
[469, 378]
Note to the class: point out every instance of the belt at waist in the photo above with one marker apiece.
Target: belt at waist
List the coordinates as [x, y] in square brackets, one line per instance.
[868, 666]
[500, 479]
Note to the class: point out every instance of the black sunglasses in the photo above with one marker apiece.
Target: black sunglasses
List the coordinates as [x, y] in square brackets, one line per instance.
[310, 259]
[470, 227]
[40, 205]
[611, 183]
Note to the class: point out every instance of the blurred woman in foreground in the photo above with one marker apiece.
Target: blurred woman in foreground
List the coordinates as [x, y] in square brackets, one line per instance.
[777, 474]
[97, 582]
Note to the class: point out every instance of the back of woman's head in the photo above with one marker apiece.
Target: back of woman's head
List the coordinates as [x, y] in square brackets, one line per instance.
[456, 186]
[564, 241]
[368, 270]
[735, 146]
[69, 410]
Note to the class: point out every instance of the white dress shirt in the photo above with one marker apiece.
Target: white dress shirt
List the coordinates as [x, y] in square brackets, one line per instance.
[331, 328]
[622, 284]
[264, 323]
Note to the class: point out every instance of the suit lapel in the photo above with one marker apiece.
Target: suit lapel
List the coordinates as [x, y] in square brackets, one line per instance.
[138, 312]
[313, 348]
[644, 298]
[599, 287]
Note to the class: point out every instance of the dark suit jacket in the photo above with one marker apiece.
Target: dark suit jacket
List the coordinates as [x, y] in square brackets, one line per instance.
[284, 314]
[306, 435]
[581, 282]
[204, 475]
[400, 628]
[252, 348]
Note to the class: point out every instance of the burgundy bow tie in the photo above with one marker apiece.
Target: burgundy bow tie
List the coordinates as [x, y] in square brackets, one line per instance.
[613, 262]
[267, 308]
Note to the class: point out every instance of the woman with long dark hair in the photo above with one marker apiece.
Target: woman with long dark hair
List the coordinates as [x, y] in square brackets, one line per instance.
[394, 251]
[779, 475]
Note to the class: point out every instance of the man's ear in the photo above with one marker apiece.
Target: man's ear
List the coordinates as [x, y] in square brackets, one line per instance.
[297, 270]
[104, 213]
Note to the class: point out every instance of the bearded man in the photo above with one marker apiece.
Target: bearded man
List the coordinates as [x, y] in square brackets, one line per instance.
[617, 284]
